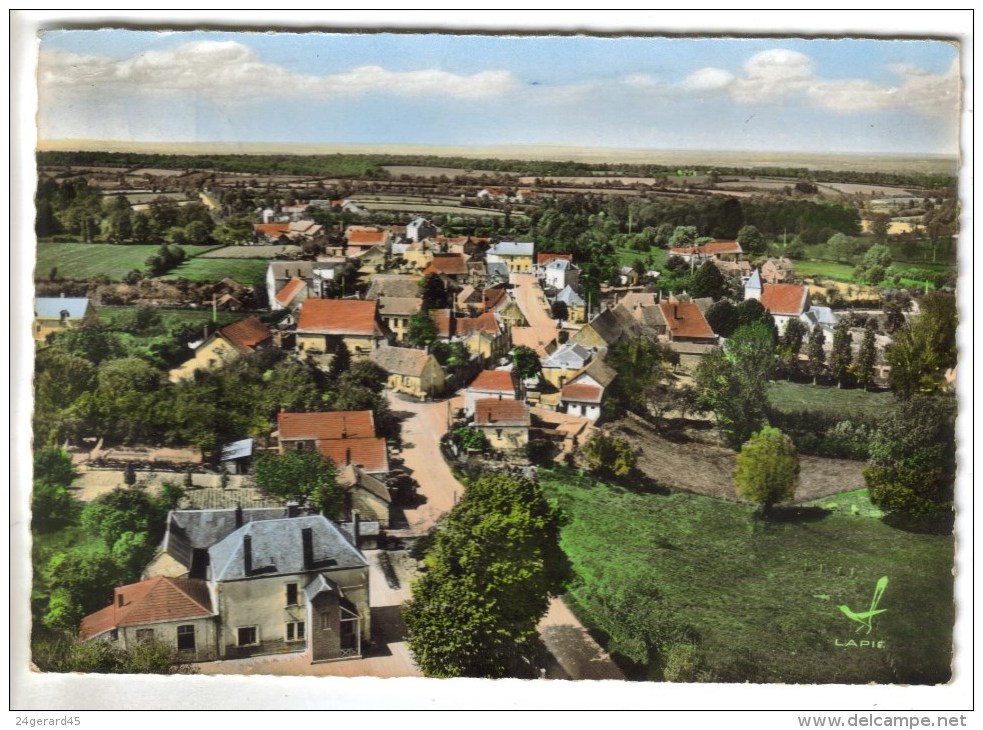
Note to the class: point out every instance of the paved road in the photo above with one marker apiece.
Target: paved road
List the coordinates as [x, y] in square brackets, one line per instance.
[531, 300]
[422, 429]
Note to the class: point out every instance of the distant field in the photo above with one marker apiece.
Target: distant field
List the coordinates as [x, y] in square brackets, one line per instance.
[251, 272]
[250, 252]
[90, 260]
[423, 171]
[787, 397]
[432, 208]
[826, 269]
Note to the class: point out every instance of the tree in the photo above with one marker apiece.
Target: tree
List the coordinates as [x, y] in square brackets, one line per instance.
[879, 224]
[767, 469]
[817, 353]
[423, 330]
[122, 511]
[83, 578]
[51, 502]
[926, 348]
[841, 355]
[526, 362]
[790, 344]
[707, 281]
[494, 564]
[609, 455]
[559, 310]
[733, 382]
[751, 240]
[301, 475]
[641, 365]
[752, 310]
[912, 466]
[722, 317]
[433, 291]
[683, 236]
[895, 302]
[863, 366]
[341, 361]
[840, 246]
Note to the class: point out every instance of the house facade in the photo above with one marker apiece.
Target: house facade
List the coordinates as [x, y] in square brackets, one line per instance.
[517, 255]
[415, 373]
[504, 422]
[489, 384]
[224, 346]
[326, 324]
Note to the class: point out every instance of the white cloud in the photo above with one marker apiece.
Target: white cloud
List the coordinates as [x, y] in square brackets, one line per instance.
[778, 75]
[232, 70]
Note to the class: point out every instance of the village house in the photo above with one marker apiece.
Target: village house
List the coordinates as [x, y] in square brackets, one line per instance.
[690, 335]
[568, 360]
[404, 286]
[483, 335]
[420, 228]
[289, 283]
[345, 437]
[786, 302]
[711, 251]
[361, 238]
[576, 306]
[777, 270]
[224, 346]
[534, 339]
[364, 494]
[297, 584]
[607, 329]
[415, 373]
[180, 613]
[451, 267]
[396, 313]
[517, 255]
[54, 314]
[504, 422]
[500, 303]
[583, 395]
[327, 324]
[489, 384]
[559, 274]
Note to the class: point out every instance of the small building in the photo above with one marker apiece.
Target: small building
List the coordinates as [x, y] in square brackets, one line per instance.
[778, 270]
[396, 313]
[517, 255]
[237, 456]
[451, 267]
[583, 395]
[686, 323]
[362, 238]
[224, 346]
[711, 251]
[560, 273]
[415, 373]
[606, 329]
[576, 306]
[365, 494]
[345, 437]
[54, 314]
[420, 228]
[786, 302]
[402, 286]
[177, 612]
[489, 384]
[504, 422]
[563, 364]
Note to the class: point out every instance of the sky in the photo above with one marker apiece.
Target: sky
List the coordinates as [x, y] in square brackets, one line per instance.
[763, 94]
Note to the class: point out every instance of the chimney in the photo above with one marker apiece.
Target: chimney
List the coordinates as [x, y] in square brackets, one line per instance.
[307, 538]
[119, 600]
[355, 527]
[238, 514]
[247, 554]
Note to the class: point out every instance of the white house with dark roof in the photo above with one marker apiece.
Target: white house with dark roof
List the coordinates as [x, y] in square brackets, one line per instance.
[560, 273]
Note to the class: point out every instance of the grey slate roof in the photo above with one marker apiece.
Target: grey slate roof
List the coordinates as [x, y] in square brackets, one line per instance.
[52, 307]
[613, 324]
[569, 297]
[497, 270]
[237, 450]
[754, 282]
[188, 530]
[569, 357]
[512, 248]
[277, 549]
[291, 269]
[821, 315]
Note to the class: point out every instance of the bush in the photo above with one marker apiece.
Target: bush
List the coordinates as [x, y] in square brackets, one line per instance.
[470, 439]
[541, 451]
[609, 455]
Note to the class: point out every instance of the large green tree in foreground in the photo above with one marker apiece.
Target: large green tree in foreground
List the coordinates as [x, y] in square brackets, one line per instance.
[302, 476]
[912, 466]
[493, 566]
[767, 468]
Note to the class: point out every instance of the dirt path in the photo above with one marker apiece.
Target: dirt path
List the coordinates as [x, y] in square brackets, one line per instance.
[424, 425]
[709, 470]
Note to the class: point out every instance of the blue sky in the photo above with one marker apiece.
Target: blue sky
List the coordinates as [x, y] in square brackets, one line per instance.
[768, 94]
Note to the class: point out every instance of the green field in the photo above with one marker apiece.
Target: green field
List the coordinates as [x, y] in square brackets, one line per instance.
[112, 316]
[787, 397]
[761, 598]
[250, 272]
[91, 260]
[825, 269]
[628, 256]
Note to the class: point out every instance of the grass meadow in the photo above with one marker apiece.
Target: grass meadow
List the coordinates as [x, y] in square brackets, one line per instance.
[763, 597]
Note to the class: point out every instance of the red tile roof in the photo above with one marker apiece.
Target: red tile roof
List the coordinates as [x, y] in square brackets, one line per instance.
[685, 319]
[290, 290]
[500, 412]
[368, 453]
[339, 317]
[247, 333]
[716, 247]
[493, 380]
[332, 425]
[366, 236]
[582, 392]
[787, 299]
[271, 229]
[493, 298]
[483, 322]
[545, 258]
[451, 264]
[151, 601]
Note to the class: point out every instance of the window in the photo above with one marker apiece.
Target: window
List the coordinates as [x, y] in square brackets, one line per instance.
[296, 631]
[292, 594]
[145, 635]
[325, 621]
[248, 636]
[186, 637]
